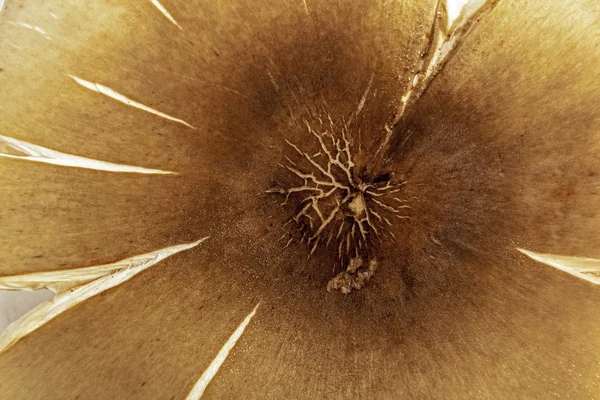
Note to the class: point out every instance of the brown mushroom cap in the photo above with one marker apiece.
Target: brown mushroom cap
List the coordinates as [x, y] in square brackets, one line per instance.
[503, 152]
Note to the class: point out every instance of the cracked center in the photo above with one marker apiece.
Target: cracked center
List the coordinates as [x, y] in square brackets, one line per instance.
[358, 206]
[335, 207]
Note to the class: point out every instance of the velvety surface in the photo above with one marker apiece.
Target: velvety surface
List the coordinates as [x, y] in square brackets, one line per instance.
[502, 152]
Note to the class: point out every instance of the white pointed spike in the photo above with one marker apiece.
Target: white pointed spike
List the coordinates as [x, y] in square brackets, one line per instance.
[14, 304]
[452, 21]
[166, 13]
[213, 368]
[458, 11]
[97, 280]
[305, 7]
[362, 101]
[18, 149]
[34, 28]
[581, 267]
[96, 87]
[454, 7]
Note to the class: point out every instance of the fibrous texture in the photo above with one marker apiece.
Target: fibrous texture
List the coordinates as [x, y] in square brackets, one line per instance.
[434, 161]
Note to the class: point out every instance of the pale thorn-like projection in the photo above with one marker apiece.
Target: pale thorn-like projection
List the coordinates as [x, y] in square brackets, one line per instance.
[36, 29]
[63, 280]
[14, 304]
[210, 372]
[460, 10]
[21, 150]
[584, 268]
[446, 33]
[362, 102]
[74, 286]
[305, 7]
[440, 323]
[96, 87]
[452, 22]
[166, 13]
[454, 9]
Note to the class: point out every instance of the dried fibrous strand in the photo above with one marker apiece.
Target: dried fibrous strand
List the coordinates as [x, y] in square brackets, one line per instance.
[33, 28]
[166, 13]
[21, 150]
[584, 268]
[210, 372]
[444, 37]
[99, 88]
[75, 286]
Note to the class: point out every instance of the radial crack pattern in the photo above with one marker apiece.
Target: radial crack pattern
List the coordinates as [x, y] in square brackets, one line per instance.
[337, 207]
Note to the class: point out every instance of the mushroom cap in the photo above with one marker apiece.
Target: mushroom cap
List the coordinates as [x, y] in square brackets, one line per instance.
[500, 152]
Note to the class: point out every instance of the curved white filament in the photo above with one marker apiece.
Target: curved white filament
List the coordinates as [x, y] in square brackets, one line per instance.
[452, 21]
[19, 149]
[96, 87]
[213, 368]
[34, 28]
[74, 287]
[14, 304]
[166, 13]
[581, 267]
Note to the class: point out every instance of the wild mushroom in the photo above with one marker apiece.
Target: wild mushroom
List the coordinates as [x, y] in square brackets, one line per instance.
[190, 177]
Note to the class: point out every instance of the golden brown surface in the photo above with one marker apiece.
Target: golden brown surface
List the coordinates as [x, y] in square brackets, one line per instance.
[503, 152]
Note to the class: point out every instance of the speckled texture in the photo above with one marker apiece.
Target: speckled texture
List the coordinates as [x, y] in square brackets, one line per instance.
[503, 153]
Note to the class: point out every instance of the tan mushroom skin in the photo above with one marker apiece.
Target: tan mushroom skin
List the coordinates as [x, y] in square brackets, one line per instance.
[200, 181]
